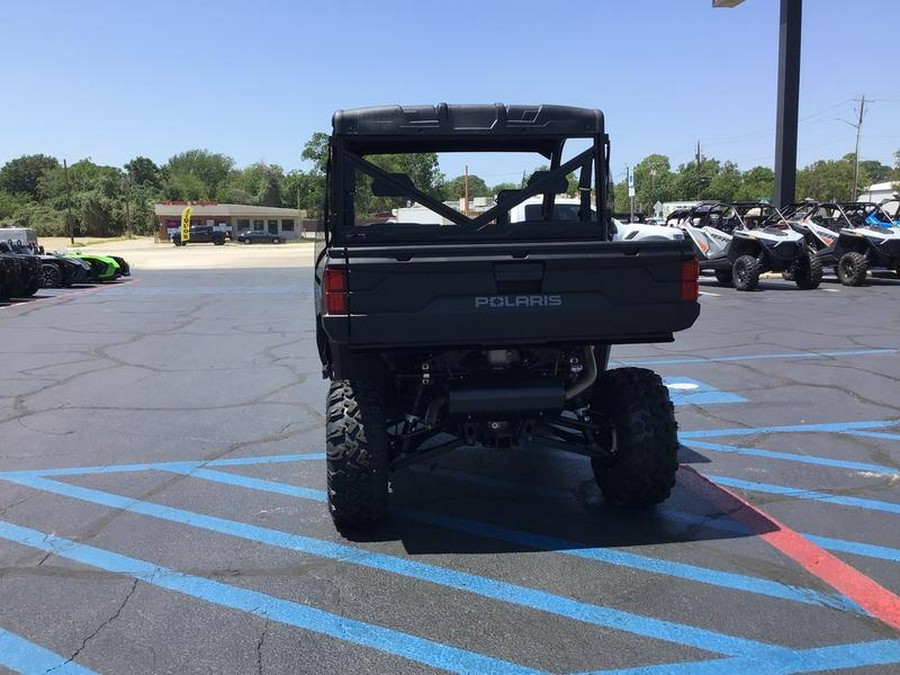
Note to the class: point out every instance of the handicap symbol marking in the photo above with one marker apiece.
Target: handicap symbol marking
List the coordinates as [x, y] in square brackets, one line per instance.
[685, 391]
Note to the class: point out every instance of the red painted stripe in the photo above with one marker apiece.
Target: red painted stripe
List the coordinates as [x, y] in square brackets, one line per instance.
[868, 594]
[71, 293]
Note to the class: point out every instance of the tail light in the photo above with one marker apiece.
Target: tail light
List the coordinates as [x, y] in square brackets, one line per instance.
[690, 280]
[335, 283]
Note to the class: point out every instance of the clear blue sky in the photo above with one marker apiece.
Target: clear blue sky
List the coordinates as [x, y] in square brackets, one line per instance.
[113, 80]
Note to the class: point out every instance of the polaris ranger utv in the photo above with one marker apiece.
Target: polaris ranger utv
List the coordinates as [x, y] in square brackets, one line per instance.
[488, 330]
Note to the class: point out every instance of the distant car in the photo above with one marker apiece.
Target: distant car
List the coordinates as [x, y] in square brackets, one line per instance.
[200, 234]
[259, 237]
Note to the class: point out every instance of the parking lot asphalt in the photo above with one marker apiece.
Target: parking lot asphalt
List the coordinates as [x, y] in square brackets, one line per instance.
[162, 505]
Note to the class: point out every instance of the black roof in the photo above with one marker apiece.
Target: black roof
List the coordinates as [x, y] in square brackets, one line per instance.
[465, 126]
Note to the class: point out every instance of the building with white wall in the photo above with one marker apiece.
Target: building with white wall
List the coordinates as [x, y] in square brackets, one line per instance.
[230, 218]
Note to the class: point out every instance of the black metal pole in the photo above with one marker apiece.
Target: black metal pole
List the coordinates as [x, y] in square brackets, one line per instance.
[788, 102]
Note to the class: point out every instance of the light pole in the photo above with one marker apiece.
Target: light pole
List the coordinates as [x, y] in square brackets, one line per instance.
[788, 97]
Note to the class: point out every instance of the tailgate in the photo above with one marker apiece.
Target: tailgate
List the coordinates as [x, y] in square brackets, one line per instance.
[513, 293]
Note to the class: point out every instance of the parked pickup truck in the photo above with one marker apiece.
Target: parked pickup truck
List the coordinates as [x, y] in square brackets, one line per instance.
[200, 234]
[491, 330]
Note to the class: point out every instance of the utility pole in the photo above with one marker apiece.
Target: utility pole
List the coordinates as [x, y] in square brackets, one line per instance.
[69, 221]
[699, 157]
[466, 192]
[858, 125]
[128, 227]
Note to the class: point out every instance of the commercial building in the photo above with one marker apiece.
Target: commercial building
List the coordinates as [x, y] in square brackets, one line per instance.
[879, 192]
[230, 218]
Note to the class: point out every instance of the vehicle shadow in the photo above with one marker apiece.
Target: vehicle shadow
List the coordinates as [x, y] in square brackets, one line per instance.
[884, 279]
[548, 501]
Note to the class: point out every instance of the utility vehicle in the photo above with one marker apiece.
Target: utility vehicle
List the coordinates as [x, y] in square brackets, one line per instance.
[854, 237]
[739, 242]
[26, 280]
[489, 330]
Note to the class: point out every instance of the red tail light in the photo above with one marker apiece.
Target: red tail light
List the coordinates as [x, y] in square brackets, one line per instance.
[335, 284]
[690, 284]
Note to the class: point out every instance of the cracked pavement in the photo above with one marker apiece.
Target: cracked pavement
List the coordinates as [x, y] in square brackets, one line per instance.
[206, 363]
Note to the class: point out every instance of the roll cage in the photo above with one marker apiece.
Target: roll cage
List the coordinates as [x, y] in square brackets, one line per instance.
[542, 129]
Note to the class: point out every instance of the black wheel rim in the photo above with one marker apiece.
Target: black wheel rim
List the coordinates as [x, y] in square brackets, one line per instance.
[48, 277]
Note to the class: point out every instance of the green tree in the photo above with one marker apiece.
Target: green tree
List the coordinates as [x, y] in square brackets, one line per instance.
[875, 170]
[96, 193]
[143, 217]
[143, 171]
[22, 175]
[212, 169]
[726, 183]
[258, 184]
[895, 175]
[653, 182]
[499, 187]
[828, 180]
[184, 186]
[456, 187]
[619, 198]
[757, 184]
[304, 190]
[316, 151]
[10, 203]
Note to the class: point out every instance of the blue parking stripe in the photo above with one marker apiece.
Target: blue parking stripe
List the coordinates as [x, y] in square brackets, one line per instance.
[874, 434]
[408, 646]
[812, 495]
[794, 457]
[855, 547]
[163, 466]
[834, 427]
[21, 656]
[540, 600]
[817, 659]
[759, 357]
[607, 556]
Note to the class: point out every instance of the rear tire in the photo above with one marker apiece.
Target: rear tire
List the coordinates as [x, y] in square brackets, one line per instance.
[357, 452]
[852, 269]
[247, 240]
[725, 277]
[645, 454]
[808, 273]
[276, 240]
[746, 273]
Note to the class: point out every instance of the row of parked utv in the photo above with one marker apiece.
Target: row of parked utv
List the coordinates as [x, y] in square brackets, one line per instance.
[25, 268]
[739, 242]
